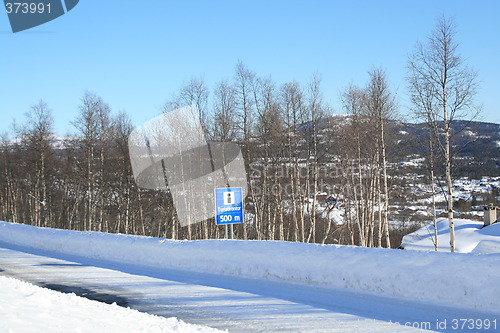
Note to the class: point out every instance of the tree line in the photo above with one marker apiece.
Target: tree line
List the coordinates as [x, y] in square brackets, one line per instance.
[304, 166]
[286, 138]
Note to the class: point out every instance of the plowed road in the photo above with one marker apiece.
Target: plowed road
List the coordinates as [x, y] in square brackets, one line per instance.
[236, 304]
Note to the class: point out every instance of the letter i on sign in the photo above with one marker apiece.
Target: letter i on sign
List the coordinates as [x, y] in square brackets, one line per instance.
[229, 198]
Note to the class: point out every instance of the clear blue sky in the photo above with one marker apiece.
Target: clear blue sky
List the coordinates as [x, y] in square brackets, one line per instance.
[136, 54]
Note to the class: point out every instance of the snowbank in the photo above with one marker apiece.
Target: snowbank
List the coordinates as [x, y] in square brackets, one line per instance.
[470, 236]
[28, 308]
[442, 278]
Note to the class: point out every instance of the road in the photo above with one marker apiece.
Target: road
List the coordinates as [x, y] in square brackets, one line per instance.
[232, 303]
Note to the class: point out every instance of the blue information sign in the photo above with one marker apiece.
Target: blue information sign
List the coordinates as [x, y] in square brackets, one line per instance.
[228, 205]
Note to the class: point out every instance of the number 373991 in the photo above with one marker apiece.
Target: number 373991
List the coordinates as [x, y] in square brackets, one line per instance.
[27, 8]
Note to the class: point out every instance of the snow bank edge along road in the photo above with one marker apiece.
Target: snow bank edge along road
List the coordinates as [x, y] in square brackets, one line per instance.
[456, 279]
[28, 308]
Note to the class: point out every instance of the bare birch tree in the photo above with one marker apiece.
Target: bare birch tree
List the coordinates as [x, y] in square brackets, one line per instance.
[195, 92]
[293, 109]
[380, 105]
[442, 88]
[93, 124]
[224, 125]
[245, 93]
[36, 139]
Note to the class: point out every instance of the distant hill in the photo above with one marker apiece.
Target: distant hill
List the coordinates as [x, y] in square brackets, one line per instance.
[476, 145]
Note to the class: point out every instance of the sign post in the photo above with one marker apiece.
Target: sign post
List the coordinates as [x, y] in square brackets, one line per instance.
[229, 207]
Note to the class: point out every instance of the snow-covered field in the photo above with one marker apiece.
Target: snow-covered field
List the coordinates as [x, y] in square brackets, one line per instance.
[417, 275]
[27, 308]
[470, 236]
[463, 189]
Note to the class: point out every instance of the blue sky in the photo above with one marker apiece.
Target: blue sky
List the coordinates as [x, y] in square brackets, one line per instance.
[136, 54]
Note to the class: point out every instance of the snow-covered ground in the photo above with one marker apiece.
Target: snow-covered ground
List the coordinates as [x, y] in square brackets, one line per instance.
[27, 308]
[393, 273]
[470, 236]
[226, 302]
[463, 189]
[472, 191]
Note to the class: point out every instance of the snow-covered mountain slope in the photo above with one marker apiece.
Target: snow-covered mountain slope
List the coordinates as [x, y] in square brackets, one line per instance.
[28, 308]
[56, 142]
[395, 273]
[470, 236]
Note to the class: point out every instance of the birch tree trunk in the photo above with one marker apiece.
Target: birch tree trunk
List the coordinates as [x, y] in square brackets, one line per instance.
[442, 90]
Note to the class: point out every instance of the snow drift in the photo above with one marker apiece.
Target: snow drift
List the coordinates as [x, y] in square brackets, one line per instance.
[470, 236]
[29, 308]
[466, 280]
